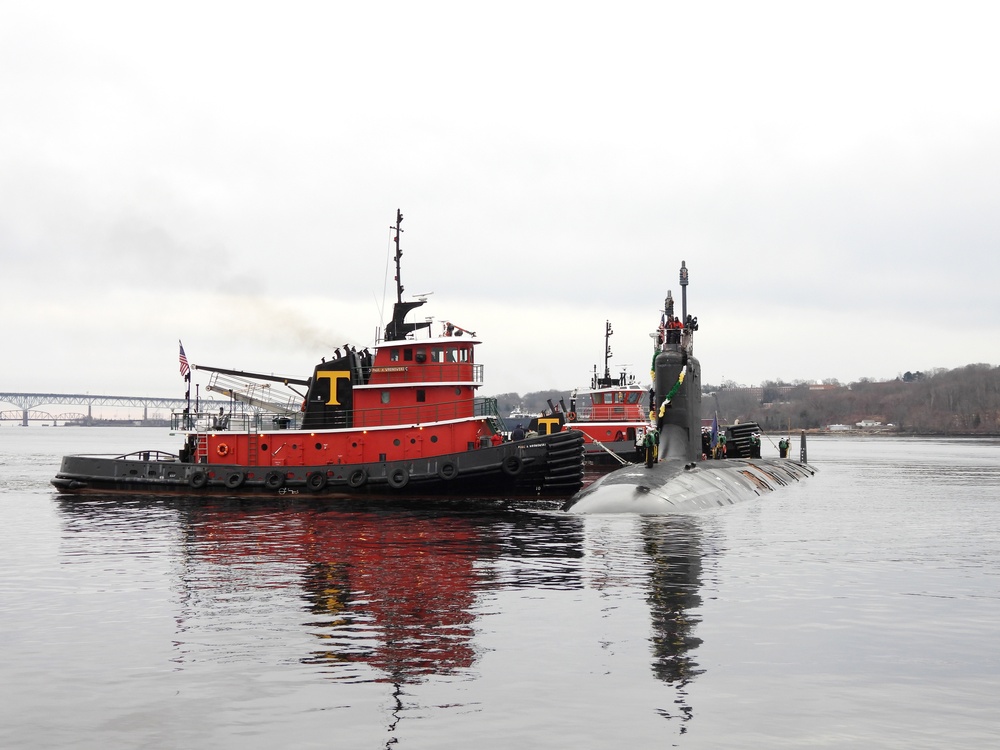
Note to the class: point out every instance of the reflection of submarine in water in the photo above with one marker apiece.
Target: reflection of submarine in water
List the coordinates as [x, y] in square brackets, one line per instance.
[679, 480]
[674, 549]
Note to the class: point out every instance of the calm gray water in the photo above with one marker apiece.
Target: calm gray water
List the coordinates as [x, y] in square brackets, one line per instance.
[859, 609]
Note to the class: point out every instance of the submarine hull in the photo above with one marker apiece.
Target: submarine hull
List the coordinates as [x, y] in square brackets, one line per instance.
[678, 486]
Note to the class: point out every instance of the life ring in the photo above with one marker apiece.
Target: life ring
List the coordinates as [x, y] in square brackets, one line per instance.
[512, 466]
[398, 478]
[274, 480]
[316, 481]
[357, 478]
[198, 479]
[235, 479]
[571, 416]
[222, 449]
[447, 471]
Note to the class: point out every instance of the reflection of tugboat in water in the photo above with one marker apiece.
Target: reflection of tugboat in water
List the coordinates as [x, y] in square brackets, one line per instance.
[401, 418]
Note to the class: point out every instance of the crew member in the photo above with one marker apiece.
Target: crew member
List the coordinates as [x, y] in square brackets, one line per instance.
[783, 447]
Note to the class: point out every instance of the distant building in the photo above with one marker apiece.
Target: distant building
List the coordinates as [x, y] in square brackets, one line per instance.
[839, 427]
[868, 424]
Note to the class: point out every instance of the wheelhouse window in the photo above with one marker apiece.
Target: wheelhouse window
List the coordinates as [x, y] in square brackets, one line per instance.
[385, 397]
[421, 395]
[408, 355]
[394, 355]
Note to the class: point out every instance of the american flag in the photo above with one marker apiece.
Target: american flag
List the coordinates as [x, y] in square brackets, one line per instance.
[185, 370]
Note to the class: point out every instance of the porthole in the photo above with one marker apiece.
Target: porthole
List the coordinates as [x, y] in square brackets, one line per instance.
[263, 446]
[434, 438]
[412, 441]
[319, 446]
[354, 444]
[396, 442]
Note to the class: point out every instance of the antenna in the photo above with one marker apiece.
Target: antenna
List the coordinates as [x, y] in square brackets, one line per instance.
[398, 329]
[399, 254]
[607, 347]
[684, 291]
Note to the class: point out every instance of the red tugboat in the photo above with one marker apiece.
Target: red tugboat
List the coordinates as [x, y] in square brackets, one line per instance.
[402, 418]
[610, 414]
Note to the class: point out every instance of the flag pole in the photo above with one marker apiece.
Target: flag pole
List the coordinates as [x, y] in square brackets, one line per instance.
[186, 374]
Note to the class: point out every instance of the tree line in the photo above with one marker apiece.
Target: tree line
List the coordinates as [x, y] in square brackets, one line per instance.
[963, 401]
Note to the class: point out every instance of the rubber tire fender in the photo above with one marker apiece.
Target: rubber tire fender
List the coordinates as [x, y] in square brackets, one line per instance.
[274, 480]
[512, 466]
[357, 478]
[448, 471]
[316, 481]
[198, 479]
[235, 479]
[398, 478]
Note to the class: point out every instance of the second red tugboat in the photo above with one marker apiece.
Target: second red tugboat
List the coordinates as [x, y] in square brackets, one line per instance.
[610, 414]
[401, 418]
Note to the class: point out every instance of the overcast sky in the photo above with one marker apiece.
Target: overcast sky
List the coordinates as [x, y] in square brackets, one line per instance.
[225, 173]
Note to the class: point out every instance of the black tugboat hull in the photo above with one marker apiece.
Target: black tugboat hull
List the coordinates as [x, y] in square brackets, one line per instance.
[548, 466]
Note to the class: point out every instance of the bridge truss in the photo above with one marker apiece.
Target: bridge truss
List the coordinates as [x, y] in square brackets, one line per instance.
[26, 403]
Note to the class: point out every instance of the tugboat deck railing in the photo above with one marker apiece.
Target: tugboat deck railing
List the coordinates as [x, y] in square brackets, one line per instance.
[616, 413]
[264, 420]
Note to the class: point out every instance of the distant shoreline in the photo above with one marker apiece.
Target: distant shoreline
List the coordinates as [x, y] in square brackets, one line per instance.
[893, 433]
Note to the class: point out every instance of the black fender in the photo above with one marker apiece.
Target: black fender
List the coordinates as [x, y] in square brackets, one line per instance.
[316, 481]
[398, 478]
[512, 465]
[357, 478]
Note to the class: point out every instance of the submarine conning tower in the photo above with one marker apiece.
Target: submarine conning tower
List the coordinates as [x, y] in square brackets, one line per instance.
[680, 425]
[677, 383]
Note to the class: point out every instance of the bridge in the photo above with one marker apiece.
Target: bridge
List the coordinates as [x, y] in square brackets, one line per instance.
[26, 403]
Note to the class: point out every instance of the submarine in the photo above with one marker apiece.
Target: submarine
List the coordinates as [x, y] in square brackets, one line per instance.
[684, 470]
